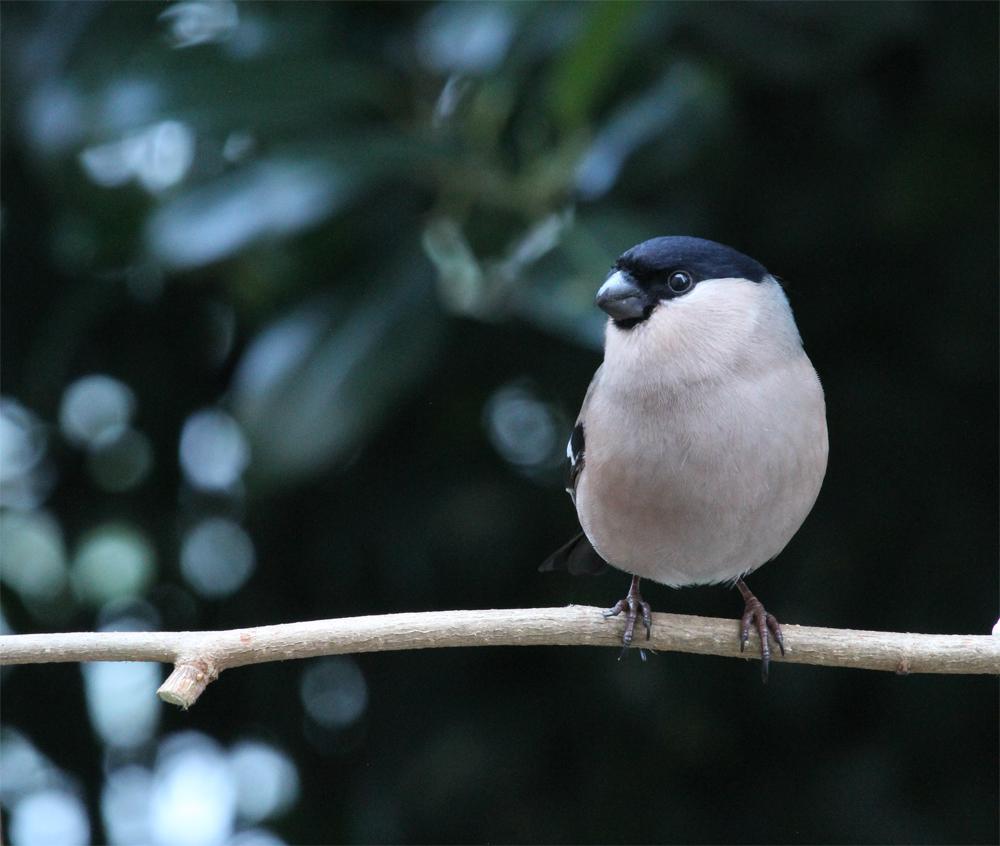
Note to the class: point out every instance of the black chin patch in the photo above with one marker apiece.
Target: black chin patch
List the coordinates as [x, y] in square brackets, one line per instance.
[633, 322]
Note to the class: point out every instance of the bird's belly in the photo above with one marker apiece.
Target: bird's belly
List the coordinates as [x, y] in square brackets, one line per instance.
[713, 506]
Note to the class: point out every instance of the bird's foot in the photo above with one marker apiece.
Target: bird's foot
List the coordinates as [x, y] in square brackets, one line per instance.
[756, 615]
[633, 605]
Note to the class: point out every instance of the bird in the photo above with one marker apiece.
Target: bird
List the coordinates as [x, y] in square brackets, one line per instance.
[701, 444]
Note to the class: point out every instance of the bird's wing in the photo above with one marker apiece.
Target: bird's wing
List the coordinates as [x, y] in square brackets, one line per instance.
[578, 556]
[575, 449]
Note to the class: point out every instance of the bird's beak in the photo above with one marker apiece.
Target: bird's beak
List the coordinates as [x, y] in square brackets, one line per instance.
[620, 297]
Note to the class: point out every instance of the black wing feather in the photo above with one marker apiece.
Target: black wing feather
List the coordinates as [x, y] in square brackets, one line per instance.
[578, 557]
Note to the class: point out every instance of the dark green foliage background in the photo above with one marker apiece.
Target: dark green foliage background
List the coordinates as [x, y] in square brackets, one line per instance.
[851, 148]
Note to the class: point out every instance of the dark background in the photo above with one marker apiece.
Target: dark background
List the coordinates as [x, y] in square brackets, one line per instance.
[851, 148]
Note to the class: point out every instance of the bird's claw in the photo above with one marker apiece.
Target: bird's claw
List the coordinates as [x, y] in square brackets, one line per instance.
[756, 615]
[633, 605]
[624, 652]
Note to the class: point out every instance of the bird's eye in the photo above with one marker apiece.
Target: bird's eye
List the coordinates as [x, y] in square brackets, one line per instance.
[679, 282]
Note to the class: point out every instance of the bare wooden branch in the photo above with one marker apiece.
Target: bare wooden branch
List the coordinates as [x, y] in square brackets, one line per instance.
[199, 657]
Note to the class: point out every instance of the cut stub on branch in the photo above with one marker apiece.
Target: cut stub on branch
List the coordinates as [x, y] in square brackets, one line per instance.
[187, 682]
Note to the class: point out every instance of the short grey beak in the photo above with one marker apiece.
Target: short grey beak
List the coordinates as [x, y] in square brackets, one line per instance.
[620, 297]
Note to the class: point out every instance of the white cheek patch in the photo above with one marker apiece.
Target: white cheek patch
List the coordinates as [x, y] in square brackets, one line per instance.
[698, 334]
[726, 302]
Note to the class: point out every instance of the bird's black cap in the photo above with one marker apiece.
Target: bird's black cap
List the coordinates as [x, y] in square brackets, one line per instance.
[667, 268]
[703, 259]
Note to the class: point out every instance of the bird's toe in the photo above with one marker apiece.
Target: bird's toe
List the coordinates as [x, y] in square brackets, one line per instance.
[756, 616]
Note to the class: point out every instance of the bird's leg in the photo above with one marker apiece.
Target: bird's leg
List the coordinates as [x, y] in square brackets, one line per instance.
[633, 605]
[755, 614]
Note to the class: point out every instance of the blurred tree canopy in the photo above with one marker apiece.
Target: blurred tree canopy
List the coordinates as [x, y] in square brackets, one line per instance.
[297, 311]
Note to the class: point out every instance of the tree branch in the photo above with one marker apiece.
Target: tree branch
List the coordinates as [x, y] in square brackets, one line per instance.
[199, 657]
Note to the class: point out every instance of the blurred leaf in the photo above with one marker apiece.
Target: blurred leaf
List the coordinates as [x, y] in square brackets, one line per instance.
[585, 72]
[483, 289]
[460, 278]
[269, 198]
[683, 102]
[311, 387]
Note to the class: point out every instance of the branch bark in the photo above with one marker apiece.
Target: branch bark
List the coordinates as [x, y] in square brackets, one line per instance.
[199, 657]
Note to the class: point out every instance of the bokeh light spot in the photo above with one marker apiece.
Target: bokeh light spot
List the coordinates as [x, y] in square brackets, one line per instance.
[112, 561]
[122, 702]
[53, 116]
[27, 474]
[25, 770]
[126, 804]
[522, 428]
[267, 782]
[334, 692]
[49, 818]
[157, 157]
[22, 442]
[213, 451]
[95, 410]
[129, 102]
[468, 37]
[217, 557]
[194, 23]
[194, 793]
[32, 554]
